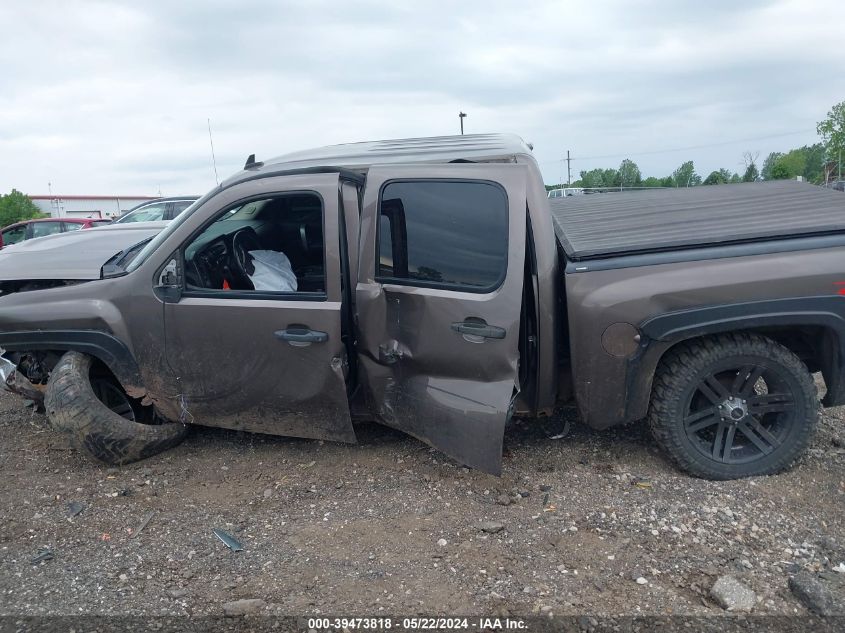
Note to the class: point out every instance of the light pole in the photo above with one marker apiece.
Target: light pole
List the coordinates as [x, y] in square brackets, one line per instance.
[461, 116]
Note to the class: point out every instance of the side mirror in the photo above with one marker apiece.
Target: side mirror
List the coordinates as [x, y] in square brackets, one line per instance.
[169, 275]
[169, 286]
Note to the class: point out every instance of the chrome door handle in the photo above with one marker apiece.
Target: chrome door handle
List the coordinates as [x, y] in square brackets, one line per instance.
[480, 329]
[300, 336]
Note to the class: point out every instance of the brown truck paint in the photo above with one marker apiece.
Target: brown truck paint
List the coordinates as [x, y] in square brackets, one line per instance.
[403, 354]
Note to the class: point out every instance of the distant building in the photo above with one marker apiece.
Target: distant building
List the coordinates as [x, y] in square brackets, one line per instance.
[87, 206]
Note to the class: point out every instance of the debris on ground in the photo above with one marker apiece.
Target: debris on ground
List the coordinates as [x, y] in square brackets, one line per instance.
[228, 540]
[567, 427]
[732, 595]
[144, 520]
[243, 607]
[362, 527]
[641, 482]
[491, 527]
[74, 508]
[42, 555]
[823, 594]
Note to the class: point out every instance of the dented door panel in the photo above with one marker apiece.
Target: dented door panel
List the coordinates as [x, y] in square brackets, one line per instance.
[268, 365]
[426, 369]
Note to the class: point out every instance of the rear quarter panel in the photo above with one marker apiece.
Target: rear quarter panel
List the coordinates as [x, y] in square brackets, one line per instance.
[603, 384]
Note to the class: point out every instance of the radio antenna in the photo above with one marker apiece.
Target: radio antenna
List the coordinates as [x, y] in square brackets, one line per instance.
[213, 160]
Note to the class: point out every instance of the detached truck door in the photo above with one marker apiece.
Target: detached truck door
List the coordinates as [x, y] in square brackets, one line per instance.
[438, 303]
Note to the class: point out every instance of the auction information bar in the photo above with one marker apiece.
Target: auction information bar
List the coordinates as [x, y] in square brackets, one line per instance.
[417, 624]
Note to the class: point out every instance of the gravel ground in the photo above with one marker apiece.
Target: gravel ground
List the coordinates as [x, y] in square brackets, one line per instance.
[597, 523]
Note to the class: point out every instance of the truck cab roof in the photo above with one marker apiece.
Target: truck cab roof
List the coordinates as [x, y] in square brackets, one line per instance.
[359, 157]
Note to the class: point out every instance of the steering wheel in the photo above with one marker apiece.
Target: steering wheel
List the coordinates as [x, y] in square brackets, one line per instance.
[245, 240]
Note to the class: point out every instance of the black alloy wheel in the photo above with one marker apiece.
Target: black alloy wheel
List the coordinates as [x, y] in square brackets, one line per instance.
[733, 405]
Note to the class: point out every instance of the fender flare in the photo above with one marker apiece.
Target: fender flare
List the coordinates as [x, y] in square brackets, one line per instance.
[664, 330]
[113, 352]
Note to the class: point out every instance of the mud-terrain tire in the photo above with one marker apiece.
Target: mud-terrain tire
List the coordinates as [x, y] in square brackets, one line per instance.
[73, 409]
[718, 421]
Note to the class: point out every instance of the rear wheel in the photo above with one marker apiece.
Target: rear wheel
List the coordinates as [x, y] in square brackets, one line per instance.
[733, 406]
[100, 418]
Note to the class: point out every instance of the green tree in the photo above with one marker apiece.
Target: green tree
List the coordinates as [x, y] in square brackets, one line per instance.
[832, 131]
[652, 181]
[789, 165]
[735, 178]
[751, 174]
[629, 174]
[685, 176]
[780, 171]
[718, 177]
[768, 164]
[593, 178]
[814, 166]
[15, 207]
[610, 177]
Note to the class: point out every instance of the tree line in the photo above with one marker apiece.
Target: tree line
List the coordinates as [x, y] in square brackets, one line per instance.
[818, 163]
[17, 206]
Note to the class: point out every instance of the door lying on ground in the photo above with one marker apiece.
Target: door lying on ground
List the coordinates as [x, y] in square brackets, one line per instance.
[255, 337]
[438, 302]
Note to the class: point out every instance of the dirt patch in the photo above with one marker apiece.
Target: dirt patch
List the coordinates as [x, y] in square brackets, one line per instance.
[597, 523]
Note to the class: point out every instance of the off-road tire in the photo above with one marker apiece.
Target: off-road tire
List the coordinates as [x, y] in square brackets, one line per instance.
[687, 366]
[73, 409]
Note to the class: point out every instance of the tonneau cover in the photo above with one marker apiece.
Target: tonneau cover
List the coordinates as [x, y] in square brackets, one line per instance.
[614, 223]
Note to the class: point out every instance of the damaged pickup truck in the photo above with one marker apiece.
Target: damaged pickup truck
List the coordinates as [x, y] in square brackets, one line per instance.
[431, 285]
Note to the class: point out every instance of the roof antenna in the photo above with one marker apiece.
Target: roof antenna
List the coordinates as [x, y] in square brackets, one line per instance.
[251, 163]
[213, 160]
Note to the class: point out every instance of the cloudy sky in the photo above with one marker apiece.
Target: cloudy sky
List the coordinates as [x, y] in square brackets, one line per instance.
[114, 98]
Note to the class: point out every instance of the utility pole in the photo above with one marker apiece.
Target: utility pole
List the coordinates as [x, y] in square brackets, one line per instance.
[568, 170]
[461, 116]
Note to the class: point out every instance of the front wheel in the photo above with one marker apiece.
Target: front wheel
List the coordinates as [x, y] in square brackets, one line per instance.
[731, 406]
[98, 416]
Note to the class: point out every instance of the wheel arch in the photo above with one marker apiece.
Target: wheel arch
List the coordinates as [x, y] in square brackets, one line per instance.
[811, 327]
[105, 347]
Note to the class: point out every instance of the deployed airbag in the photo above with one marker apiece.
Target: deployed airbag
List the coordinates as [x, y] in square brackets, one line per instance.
[273, 272]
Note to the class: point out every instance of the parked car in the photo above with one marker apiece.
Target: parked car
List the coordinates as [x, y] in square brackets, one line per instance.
[565, 191]
[40, 227]
[431, 285]
[155, 210]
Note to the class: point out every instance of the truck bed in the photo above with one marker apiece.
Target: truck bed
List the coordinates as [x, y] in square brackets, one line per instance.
[612, 224]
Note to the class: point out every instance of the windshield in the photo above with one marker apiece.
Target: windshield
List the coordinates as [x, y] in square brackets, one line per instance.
[142, 215]
[159, 239]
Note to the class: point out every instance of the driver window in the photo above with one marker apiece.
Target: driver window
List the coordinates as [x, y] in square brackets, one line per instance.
[269, 245]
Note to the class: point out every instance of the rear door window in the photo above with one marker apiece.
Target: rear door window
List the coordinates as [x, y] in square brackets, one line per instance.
[14, 235]
[73, 226]
[150, 213]
[443, 234]
[176, 208]
[40, 229]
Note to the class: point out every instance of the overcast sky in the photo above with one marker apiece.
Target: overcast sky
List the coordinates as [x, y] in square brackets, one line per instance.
[113, 98]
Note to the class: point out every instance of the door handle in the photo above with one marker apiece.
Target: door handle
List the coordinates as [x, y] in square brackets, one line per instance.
[300, 335]
[479, 329]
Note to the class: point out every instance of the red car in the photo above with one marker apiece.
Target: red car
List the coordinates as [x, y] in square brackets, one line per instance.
[28, 229]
